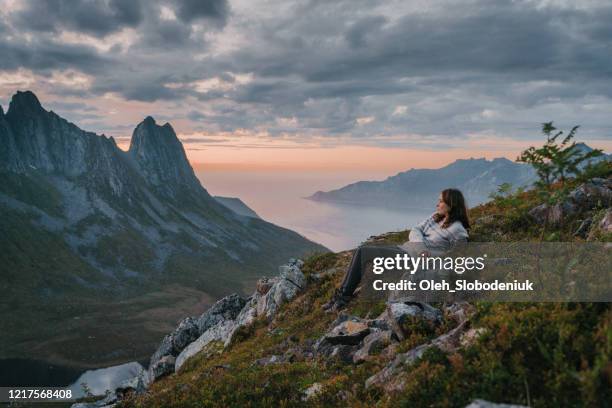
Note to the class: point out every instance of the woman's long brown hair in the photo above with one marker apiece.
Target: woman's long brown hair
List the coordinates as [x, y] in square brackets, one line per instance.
[458, 212]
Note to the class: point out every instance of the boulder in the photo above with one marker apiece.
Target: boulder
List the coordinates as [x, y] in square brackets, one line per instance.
[165, 349]
[312, 391]
[227, 308]
[185, 333]
[162, 367]
[478, 403]
[217, 333]
[220, 322]
[553, 214]
[269, 295]
[348, 332]
[246, 317]
[401, 314]
[596, 192]
[189, 329]
[471, 336]
[343, 353]
[375, 341]
[134, 385]
[290, 281]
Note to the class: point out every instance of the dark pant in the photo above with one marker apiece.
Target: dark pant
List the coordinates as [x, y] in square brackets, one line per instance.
[361, 257]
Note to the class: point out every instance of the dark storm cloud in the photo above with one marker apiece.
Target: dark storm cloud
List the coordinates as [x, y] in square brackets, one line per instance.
[358, 67]
[215, 10]
[44, 55]
[88, 16]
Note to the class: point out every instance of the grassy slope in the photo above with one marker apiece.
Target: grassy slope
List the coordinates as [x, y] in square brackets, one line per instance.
[548, 354]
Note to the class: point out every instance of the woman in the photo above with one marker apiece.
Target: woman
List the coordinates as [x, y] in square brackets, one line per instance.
[442, 231]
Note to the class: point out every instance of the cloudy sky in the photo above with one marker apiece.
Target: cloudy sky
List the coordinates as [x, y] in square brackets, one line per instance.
[389, 84]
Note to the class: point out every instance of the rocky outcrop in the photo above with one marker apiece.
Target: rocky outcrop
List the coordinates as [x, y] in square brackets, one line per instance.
[374, 342]
[270, 294]
[596, 192]
[215, 328]
[352, 339]
[391, 378]
[214, 335]
[312, 391]
[193, 334]
[163, 360]
[225, 309]
[401, 314]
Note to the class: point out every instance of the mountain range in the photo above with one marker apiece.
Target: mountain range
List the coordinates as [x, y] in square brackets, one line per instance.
[94, 238]
[419, 188]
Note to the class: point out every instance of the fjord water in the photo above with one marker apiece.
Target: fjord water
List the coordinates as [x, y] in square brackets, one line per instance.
[278, 197]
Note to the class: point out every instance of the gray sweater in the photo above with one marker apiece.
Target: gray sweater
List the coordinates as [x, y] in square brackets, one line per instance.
[432, 237]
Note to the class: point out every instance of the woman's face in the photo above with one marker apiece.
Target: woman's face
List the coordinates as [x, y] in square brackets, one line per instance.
[442, 208]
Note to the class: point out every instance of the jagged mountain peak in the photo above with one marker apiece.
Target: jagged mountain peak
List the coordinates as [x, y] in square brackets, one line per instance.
[160, 155]
[24, 102]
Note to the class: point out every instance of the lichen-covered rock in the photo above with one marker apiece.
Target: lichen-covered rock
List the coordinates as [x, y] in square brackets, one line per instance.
[165, 349]
[246, 317]
[349, 332]
[471, 336]
[375, 341]
[343, 352]
[134, 385]
[171, 345]
[185, 333]
[269, 295]
[227, 308]
[400, 314]
[219, 324]
[290, 281]
[312, 391]
[595, 192]
[218, 333]
[162, 367]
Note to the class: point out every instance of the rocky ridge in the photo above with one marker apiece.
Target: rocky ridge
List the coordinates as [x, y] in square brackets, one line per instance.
[86, 221]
